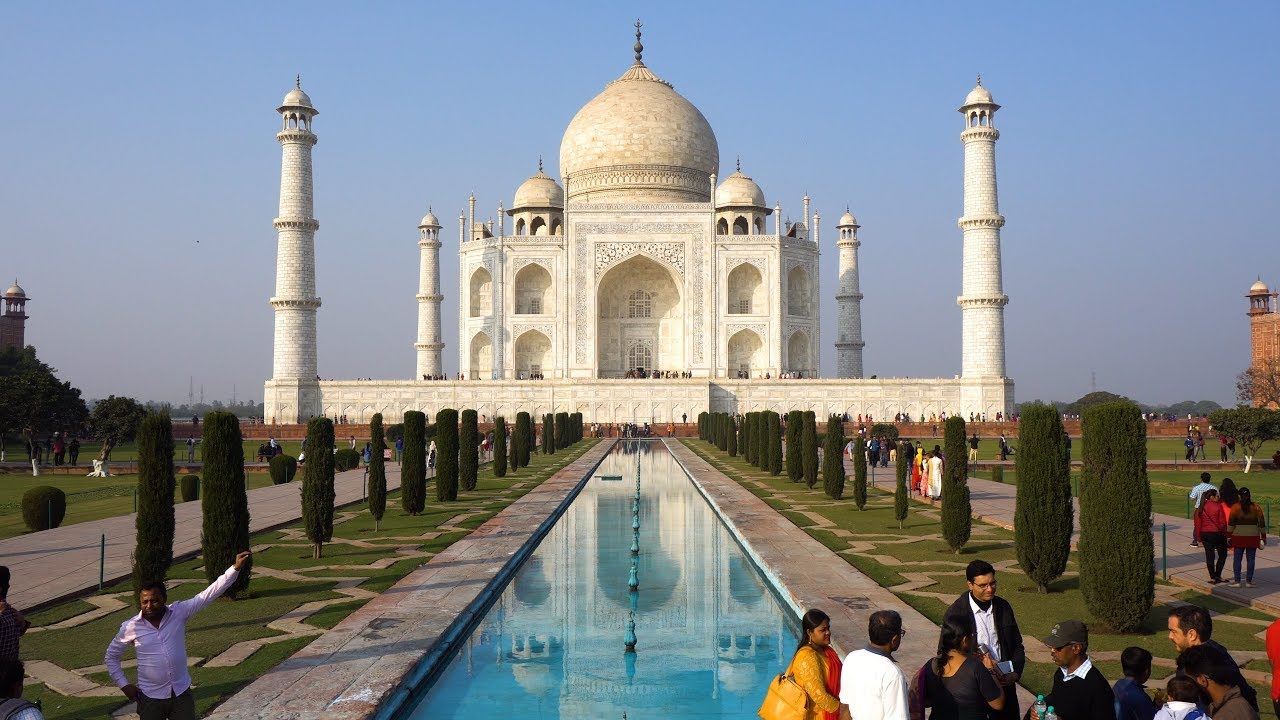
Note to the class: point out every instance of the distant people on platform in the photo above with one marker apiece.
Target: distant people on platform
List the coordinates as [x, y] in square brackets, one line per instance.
[434, 377]
[642, 374]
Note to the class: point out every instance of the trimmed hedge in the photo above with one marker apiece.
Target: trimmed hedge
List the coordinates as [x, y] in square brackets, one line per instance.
[447, 455]
[520, 441]
[774, 432]
[809, 448]
[499, 446]
[413, 464]
[44, 507]
[283, 469]
[795, 453]
[345, 459]
[468, 451]
[189, 487]
[833, 459]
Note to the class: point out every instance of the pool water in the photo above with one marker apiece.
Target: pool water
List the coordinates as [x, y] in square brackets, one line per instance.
[709, 633]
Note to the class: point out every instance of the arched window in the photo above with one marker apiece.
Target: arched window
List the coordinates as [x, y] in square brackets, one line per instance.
[520, 226]
[740, 226]
[722, 227]
[973, 119]
[538, 227]
[555, 226]
[639, 357]
[640, 305]
[759, 226]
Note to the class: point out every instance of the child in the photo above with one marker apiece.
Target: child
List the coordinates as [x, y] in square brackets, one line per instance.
[1132, 702]
[1183, 695]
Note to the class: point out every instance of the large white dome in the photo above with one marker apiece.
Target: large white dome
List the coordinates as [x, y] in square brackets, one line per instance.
[639, 141]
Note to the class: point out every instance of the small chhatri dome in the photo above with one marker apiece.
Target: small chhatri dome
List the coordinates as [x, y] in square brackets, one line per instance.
[296, 98]
[539, 191]
[429, 220]
[739, 190]
[979, 95]
[847, 219]
[1257, 287]
[15, 291]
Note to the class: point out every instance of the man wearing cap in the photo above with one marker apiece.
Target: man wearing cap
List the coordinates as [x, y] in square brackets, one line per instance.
[1080, 692]
[991, 619]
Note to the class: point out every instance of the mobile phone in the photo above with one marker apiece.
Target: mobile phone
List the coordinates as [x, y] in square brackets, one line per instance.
[1006, 666]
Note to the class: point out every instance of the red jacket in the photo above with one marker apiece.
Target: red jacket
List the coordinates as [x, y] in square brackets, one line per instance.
[1273, 652]
[1212, 516]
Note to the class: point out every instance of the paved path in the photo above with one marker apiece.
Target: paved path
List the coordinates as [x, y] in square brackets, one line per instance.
[63, 562]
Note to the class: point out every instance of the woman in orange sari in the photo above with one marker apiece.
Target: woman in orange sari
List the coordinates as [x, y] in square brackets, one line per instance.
[816, 667]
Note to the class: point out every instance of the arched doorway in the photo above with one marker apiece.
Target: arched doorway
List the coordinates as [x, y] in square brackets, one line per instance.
[481, 293]
[746, 354]
[799, 292]
[639, 319]
[533, 291]
[798, 356]
[533, 354]
[481, 357]
[746, 291]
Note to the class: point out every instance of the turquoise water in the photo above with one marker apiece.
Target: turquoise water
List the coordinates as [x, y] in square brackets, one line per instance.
[709, 633]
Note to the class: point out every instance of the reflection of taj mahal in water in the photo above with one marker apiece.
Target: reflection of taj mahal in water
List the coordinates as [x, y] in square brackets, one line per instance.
[638, 258]
[707, 628]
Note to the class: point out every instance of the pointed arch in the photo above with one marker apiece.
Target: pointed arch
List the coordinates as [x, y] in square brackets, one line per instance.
[481, 356]
[799, 292]
[481, 293]
[533, 290]
[745, 292]
[745, 352]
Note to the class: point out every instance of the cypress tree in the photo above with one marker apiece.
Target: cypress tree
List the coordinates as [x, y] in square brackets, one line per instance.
[447, 455]
[562, 430]
[733, 437]
[377, 472]
[957, 515]
[154, 524]
[413, 464]
[860, 473]
[833, 459]
[775, 443]
[702, 426]
[575, 422]
[809, 448]
[500, 447]
[469, 450]
[795, 462]
[524, 429]
[902, 493]
[224, 503]
[744, 437]
[722, 431]
[761, 440]
[548, 435]
[317, 485]
[1043, 514]
[1115, 517]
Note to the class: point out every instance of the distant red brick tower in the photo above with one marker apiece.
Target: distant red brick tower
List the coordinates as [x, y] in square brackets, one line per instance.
[1264, 322]
[13, 323]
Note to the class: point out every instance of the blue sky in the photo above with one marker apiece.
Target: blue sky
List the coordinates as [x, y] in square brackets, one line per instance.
[1138, 156]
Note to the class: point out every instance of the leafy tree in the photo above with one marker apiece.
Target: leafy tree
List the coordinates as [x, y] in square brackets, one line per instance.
[413, 464]
[809, 448]
[774, 431]
[860, 473]
[317, 485]
[884, 430]
[500, 446]
[377, 472]
[114, 421]
[225, 503]
[33, 400]
[957, 513]
[833, 459]
[154, 525]
[469, 450]
[795, 461]
[1098, 397]
[1250, 426]
[902, 492]
[1115, 547]
[1043, 516]
[447, 455]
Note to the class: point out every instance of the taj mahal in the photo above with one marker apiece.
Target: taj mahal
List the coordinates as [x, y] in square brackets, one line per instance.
[638, 285]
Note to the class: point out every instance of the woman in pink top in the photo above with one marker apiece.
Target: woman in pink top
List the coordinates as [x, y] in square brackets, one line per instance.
[1212, 519]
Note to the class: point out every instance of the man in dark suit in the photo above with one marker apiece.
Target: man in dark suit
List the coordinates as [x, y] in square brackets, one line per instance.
[991, 619]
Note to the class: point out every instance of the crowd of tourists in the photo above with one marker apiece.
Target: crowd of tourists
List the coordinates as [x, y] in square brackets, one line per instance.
[980, 659]
[1226, 518]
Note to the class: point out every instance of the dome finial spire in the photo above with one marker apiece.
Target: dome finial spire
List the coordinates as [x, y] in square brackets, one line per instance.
[639, 48]
[297, 81]
[739, 165]
[979, 79]
[539, 163]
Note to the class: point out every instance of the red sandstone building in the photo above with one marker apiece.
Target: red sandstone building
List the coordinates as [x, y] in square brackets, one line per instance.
[13, 322]
[1264, 326]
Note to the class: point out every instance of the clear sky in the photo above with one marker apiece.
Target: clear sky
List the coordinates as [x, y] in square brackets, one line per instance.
[1137, 159]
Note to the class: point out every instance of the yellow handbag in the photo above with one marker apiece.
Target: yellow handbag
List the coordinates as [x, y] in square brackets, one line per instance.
[785, 700]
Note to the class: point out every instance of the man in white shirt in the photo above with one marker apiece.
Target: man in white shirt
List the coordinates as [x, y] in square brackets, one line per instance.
[1196, 494]
[871, 683]
[158, 634]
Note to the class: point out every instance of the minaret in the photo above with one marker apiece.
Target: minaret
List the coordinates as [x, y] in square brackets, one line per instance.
[429, 344]
[849, 301]
[982, 297]
[13, 322]
[295, 302]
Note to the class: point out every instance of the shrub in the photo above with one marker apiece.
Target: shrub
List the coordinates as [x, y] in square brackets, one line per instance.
[860, 473]
[562, 430]
[702, 426]
[317, 484]
[774, 431]
[742, 436]
[447, 455]
[413, 465]
[809, 448]
[795, 462]
[377, 473]
[957, 514]
[392, 433]
[722, 431]
[1116, 547]
[884, 430]
[344, 459]
[733, 436]
[524, 429]
[283, 468]
[225, 505]
[833, 459]
[468, 451]
[44, 507]
[756, 443]
[761, 440]
[997, 473]
[500, 447]
[1043, 514]
[154, 524]
[189, 486]
[902, 492]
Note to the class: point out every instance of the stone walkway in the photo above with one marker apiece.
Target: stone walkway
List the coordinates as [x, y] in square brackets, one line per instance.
[64, 562]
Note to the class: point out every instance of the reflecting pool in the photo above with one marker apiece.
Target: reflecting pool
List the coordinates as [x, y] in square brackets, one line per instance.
[708, 632]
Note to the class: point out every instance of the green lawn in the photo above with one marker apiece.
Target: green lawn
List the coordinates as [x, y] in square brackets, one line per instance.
[917, 548]
[226, 622]
[87, 498]
[128, 452]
